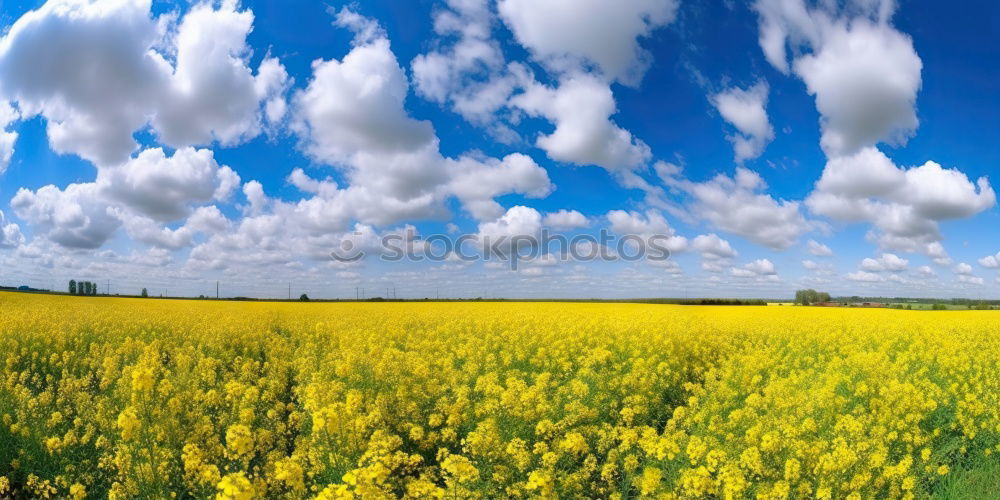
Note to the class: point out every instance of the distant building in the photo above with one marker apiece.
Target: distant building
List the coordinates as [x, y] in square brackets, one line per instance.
[828, 304]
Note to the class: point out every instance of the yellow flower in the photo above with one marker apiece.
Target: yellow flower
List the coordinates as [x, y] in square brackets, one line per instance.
[235, 486]
[128, 423]
[239, 441]
[77, 491]
[460, 468]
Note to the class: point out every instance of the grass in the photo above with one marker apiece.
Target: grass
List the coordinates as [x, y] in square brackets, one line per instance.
[979, 480]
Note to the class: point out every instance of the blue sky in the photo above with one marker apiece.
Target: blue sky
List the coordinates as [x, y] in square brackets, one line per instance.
[780, 144]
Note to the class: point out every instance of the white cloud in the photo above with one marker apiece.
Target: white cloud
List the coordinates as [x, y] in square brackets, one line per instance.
[711, 246]
[212, 95]
[581, 107]
[926, 271]
[476, 183]
[652, 222]
[564, 220]
[867, 173]
[92, 117]
[207, 93]
[10, 233]
[885, 262]
[904, 204]
[519, 221]
[8, 115]
[990, 261]
[757, 268]
[818, 249]
[864, 276]
[864, 74]
[567, 36]
[355, 106]
[76, 217]
[648, 225]
[352, 116]
[745, 109]
[970, 280]
[740, 206]
[164, 188]
[963, 268]
[208, 219]
[148, 231]
[470, 72]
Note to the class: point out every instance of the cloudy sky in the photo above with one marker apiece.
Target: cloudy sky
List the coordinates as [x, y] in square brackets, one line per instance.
[846, 146]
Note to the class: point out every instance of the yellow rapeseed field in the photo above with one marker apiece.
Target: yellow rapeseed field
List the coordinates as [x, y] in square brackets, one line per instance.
[125, 398]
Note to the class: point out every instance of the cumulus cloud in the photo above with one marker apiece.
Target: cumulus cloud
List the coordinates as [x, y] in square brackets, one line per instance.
[711, 246]
[143, 194]
[970, 280]
[467, 70]
[192, 84]
[10, 233]
[756, 269]
[590, 33]
[212, 94]
[74, 217]
[885, 262]
[905, 205]
[818, 249]
[739, 205]
[8, 115]
[477, 183]
[963, 268]
[581, 107]
[864, 74]
[352, 116]
[164, 188]
[990, 261]
[745, 110]
[564, 220]
[865, 277]
[512, 229]
[647, 225]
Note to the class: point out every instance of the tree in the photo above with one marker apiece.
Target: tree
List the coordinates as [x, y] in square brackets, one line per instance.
[810, 296]
[145, 293]
[304, 298]
[93, 289]
[72, 287]
[85, 290]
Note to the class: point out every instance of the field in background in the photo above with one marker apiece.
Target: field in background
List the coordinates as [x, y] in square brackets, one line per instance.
[125, 397]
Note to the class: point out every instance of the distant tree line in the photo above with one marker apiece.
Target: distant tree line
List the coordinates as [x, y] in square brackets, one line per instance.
[82, 287]
[809, 296]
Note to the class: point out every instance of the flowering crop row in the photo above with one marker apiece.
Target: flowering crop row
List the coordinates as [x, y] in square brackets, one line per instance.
[125, 398]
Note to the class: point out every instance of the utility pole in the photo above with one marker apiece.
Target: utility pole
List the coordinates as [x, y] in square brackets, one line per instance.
[108, 290]
[216, 290]
[289, 291]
